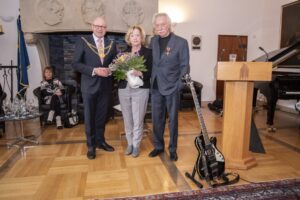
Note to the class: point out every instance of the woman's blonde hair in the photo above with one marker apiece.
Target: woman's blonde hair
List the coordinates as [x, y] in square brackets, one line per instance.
[129, 32]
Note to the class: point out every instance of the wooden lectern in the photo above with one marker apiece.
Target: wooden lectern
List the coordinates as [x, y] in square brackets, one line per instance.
[237, 108]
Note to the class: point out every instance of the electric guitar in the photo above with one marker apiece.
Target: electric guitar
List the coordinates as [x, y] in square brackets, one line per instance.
[210, 162]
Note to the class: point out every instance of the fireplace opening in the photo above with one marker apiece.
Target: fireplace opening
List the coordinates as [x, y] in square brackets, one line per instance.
[61, 51]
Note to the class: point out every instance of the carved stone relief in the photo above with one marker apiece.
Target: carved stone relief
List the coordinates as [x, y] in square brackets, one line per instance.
[90, 9]
[43, 16]
[50, 12]
[132, 13]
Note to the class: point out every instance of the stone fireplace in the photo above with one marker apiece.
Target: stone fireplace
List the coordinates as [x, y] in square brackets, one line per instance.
[61, 49]
[54, 25]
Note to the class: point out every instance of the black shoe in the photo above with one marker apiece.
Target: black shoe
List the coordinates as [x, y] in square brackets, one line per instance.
[105, 147]
[173, 156]
[59, 127]
[155, 152]
[91, 154]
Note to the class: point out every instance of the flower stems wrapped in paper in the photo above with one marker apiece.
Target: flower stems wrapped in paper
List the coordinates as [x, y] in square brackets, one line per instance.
[123, 68]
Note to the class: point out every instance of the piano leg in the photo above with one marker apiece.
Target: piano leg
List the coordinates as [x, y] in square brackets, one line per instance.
[272, 101]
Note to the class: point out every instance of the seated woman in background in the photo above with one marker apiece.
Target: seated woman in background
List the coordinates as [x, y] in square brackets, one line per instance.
[134, 100]
[52, 91]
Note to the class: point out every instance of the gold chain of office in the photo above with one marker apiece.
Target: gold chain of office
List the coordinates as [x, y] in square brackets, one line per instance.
[102, 51]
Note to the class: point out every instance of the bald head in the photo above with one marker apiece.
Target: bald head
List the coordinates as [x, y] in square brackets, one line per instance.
[99, 26]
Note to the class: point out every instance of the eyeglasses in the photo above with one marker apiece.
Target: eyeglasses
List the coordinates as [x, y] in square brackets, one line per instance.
[98, 27]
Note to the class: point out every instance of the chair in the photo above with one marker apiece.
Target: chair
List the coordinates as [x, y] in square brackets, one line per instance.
[45, 108]
[2, 124]
[186, 98]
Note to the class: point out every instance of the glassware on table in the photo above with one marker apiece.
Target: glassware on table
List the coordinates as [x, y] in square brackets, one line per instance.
[29, 105]
[7, 107]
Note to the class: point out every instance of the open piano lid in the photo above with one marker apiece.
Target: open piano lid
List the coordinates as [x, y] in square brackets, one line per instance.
[285, 60]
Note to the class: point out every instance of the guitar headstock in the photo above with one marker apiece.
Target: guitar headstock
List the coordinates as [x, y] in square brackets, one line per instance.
[188, 79]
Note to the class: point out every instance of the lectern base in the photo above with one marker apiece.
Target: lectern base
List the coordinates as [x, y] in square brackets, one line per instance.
[244, 164]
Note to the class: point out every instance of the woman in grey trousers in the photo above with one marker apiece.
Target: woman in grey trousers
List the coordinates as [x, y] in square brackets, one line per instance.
[134, 100]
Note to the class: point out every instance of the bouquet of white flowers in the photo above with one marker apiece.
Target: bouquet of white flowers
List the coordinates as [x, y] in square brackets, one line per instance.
[123, 66]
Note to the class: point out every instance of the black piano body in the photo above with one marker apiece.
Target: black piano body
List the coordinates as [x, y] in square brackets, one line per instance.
[285, 83]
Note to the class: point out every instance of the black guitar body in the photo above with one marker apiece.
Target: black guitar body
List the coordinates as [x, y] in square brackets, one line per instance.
[210, 163]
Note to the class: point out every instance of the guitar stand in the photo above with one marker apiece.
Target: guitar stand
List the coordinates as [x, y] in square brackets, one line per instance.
[224, 177]
[192, 177]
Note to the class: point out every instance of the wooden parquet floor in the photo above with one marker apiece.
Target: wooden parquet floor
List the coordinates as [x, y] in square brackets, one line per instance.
[57, 168]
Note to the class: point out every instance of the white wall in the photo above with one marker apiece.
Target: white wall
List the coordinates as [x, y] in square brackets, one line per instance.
[258, 19]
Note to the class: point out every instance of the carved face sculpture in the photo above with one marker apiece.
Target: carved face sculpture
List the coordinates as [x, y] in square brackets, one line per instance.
[132, 13]
[51, 12]
[91, 9]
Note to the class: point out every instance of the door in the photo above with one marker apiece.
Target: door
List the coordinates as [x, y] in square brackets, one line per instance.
[230, 48]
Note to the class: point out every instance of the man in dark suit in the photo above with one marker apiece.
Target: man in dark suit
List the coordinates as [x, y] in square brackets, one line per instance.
[170, 63]
[92, 56]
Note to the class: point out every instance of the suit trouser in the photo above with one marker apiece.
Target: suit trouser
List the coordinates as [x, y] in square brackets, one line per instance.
[160, 103]
[95, 112]
[134, 105]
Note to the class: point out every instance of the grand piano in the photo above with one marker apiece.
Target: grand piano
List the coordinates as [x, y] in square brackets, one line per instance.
[285, 82]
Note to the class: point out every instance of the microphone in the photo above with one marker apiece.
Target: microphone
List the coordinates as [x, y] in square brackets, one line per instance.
[266, 53]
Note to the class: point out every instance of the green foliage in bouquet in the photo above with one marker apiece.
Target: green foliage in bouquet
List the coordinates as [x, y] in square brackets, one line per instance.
[126, 62]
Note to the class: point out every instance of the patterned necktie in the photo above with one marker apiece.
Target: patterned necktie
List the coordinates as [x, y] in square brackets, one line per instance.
[101, 49]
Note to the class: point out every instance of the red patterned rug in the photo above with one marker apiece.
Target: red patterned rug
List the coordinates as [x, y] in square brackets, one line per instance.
[283, 189]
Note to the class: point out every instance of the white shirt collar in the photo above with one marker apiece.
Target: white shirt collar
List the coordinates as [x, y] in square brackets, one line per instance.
[96, 39]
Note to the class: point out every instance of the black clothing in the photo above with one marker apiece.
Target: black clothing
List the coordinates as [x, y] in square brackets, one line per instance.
[163, 42]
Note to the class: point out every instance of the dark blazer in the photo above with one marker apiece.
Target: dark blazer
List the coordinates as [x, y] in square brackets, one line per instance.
[147, 53]
[169, 67]
[85, 60]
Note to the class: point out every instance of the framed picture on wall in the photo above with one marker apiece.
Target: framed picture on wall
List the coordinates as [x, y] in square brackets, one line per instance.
[290, 30]
[290, 25]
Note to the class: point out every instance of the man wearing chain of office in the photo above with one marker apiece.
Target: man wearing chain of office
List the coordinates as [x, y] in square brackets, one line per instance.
[93, 54]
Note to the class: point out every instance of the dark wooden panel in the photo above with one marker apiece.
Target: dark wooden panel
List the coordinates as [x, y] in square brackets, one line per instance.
[230, 44]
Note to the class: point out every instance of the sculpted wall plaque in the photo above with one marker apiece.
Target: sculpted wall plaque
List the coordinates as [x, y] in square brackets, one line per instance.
[132, 13]
[50, 12]
[43, 16]
[91, 9]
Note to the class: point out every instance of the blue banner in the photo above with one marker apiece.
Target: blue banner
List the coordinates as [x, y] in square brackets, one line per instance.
[23, 62]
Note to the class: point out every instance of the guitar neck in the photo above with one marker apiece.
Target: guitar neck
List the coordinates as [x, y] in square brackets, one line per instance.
[199, 113]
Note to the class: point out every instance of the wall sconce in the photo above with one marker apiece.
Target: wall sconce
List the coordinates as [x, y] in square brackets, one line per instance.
[175, 13]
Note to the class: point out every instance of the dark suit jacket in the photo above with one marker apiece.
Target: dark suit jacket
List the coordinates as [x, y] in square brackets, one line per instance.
[85, 60]
[147, 53]
[169, 67]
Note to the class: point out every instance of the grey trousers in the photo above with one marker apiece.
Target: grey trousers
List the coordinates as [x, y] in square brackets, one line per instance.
[133, 105]
[160, 105]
